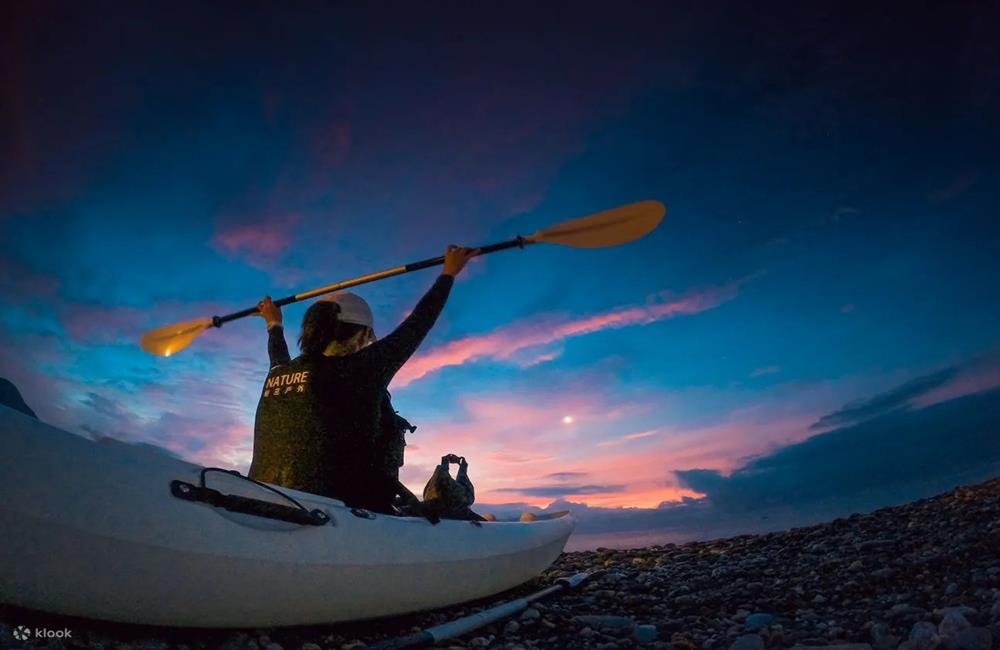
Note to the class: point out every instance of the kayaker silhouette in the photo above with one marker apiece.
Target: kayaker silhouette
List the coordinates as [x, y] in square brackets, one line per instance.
[324, 421]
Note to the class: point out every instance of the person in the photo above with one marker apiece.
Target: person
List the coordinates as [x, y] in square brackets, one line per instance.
[390, 438]
[320, 418]
[450, 498]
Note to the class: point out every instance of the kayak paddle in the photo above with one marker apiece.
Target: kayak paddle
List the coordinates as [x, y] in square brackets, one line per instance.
[466, 624]
[609, 228]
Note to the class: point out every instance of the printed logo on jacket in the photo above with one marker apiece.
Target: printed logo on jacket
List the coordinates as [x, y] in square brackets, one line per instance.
[292, 382]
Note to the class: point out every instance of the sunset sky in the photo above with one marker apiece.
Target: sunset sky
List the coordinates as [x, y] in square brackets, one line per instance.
[829, 252]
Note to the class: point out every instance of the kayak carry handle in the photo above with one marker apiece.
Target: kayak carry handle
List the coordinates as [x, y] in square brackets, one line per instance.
[246, 505]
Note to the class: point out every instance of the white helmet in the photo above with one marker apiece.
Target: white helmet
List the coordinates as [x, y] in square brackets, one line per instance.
[353, 308]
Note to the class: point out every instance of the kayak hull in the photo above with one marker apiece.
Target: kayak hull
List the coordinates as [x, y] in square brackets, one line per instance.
[99, 535]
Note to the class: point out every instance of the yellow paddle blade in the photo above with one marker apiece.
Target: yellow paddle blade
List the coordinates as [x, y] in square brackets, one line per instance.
[171, 339]
[609, 228]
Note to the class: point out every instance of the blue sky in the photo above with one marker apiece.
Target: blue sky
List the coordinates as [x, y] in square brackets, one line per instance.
[830, 174]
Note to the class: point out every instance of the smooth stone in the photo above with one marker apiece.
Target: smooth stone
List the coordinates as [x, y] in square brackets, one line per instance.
[511, 628]
[310, 646]
[530, 614]
[645, 633]
[923, 631]
[964, 610]
[756, 621]
[748, 642]
[953, 623]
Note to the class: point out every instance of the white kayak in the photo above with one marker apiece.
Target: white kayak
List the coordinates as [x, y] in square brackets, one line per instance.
[107, 530]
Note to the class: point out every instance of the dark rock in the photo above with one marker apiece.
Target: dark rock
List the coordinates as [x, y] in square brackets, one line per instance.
[645, 633]
[953, 623]
[748, 642]
[973, 638]
[923, 632]
[604, 621]
[882, 637]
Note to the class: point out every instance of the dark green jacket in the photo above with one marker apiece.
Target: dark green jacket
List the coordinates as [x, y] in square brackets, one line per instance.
[319, 419]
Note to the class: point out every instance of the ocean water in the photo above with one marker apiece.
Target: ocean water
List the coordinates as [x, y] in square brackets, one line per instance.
[714, 528]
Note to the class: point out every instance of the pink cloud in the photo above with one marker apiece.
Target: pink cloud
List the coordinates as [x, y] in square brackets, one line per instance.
[639, 435]
[981, 375]
[518, 441]
[263, 241]
[504, 343]
[509, 457]
[97, 324]
[19, 281]
[92, 323]
[331, 144]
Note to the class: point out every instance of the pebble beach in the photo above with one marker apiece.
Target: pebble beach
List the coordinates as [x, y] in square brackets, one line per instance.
[921, 576]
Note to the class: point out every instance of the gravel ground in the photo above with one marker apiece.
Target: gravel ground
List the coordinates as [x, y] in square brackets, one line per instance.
[921, 576]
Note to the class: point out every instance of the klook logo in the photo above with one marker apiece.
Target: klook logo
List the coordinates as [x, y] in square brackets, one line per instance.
[23, 633]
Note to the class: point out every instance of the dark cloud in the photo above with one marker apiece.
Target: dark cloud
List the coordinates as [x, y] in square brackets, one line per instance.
[899, 456]
[895, 458]
[701, 480]
[566, 476]
[556, 491]
[898, 397]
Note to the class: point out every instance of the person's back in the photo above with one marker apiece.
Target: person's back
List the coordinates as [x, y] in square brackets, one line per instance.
[315, 424]
[318, 418]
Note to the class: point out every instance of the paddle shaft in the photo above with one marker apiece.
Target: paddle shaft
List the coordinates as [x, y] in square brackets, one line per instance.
[517, 242]
[466, 624]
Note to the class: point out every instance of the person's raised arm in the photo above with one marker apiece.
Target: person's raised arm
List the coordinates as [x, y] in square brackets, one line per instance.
[277, 348]
[397, 347]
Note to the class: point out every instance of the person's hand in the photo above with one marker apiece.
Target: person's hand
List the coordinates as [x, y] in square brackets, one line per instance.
[456, 257]
[270, 312]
